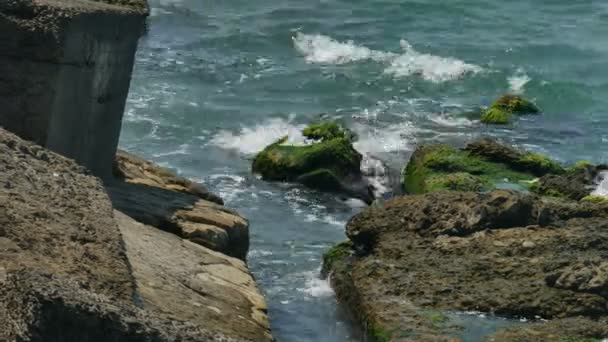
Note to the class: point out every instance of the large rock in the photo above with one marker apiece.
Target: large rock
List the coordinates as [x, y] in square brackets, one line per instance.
[65, 69]
[506, 253]
[482, 165]
[330, 163]
[157, 197]
[193, 283]
[67, 273]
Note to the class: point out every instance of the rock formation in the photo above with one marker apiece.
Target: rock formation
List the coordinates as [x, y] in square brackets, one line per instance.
[329, 163]
[65, 69]
[71, 268]
[414, 259]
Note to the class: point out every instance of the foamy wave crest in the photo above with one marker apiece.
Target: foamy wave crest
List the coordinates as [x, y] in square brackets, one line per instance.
[326, 50]
[602, 185]
[322, 49]
[317, 287]
[518, 81]
[430, 67]
[250, 140]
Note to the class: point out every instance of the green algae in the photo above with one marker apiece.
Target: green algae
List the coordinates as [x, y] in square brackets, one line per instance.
[503, 109]
[337, 253]
[325, 130]
[280, 162]
[596, 199]
[443, 168]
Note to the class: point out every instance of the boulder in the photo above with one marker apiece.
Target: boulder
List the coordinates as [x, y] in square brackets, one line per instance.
[73, 270]
[329, 163]
[575, 184]
[415, 259]
[503, 109]
[158, 197]
[482, 165]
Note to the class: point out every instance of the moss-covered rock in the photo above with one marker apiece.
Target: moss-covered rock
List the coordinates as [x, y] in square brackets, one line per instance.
[503, 109]
[325, 130]
[482, 165]
[592, 198]
[336, 253]
[331, 164]
[574, 184]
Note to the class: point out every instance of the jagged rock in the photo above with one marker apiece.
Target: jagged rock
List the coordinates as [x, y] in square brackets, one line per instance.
[575, 184]
[329, 164]
[501, 252]
[158, 197]
[69, 273]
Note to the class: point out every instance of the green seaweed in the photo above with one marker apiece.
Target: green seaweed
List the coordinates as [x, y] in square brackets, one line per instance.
[325, 130]
[287, 163]
[377, 333]
[593, 198]
[430, 164]
[539, 164]
[579, 165]
[336, 253]
[502, 110]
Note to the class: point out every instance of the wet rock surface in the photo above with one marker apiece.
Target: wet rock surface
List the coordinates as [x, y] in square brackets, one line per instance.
[505, 253]
[328, 163]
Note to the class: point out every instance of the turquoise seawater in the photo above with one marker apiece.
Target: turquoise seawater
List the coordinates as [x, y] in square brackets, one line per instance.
[216, 81]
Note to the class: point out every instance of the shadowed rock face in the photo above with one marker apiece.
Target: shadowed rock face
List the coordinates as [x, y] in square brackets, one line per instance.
[65, 69]
[501, 252]
[158, 197]
[73, 270]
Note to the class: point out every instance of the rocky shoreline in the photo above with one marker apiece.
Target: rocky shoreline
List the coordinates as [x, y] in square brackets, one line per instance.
[71, 259]
[487, 229]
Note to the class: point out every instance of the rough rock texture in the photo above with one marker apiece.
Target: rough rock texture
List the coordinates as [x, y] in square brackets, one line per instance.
[328, 164]
[65, 274]
[157, 197]
[501, 252]
[575, 184]
[482, 165]
[193, 283]
[65, 69]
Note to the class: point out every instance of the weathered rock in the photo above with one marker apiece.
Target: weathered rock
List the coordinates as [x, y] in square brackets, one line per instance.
[503, 109]
[65, 69]
[330, 164]
[65, 274]
[500, 252]
[193, 283]
[156, 196]
[560, 330]
[575, 184]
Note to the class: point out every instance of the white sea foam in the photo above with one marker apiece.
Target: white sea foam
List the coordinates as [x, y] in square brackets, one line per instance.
[322, 49]
[518, 81]
[449, 121]
[430, 67]
[317, 287]
[250, 140]
[318, 48]
[602, 185]
[382, 140]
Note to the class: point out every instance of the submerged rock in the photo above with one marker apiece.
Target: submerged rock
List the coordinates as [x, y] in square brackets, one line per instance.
[482, 165]
[329, 164]
[502, 252]
[503, 109]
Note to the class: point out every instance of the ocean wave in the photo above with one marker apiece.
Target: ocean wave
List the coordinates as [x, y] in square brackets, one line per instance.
[323, 49]
[251, 140]
[602, 185]
[316, 287]
[518, 81]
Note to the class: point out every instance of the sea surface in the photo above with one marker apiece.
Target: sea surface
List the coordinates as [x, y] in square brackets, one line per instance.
[217, 81]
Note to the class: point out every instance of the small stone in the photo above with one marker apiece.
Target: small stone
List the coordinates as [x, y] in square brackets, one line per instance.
[499, 244]
[528, 244]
